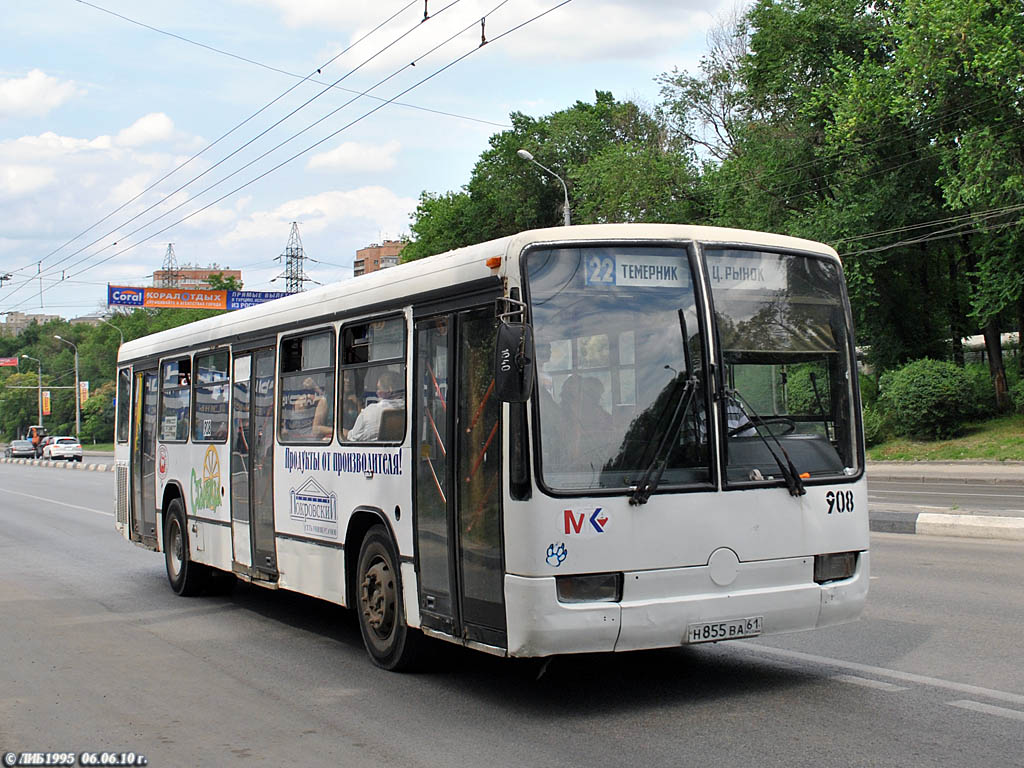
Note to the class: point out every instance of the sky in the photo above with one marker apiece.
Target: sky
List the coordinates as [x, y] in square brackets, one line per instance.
[100, 103]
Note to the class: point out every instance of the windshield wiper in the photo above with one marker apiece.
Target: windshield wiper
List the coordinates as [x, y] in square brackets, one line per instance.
[652, 475]
[794, 482]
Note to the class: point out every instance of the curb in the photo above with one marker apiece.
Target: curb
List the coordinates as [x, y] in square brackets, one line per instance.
[966, 526]
[967, 472]
[79, 465]
[933, 478]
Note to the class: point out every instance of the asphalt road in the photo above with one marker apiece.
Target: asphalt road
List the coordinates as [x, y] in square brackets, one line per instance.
[97, 653]
[954, 495]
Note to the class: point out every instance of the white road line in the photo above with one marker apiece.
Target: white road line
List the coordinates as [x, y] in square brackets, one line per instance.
[988, 709]
[887, 492]
[903, 677]
[54, 501]
[868, 683]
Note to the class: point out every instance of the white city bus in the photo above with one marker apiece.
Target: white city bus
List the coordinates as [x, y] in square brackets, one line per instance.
[593, 438]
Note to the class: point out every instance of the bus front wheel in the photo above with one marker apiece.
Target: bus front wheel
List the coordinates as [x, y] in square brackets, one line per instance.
[187, 578]
[388, 639]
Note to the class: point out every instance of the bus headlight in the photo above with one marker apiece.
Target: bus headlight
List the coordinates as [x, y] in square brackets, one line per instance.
[591, 588]
[834, 567]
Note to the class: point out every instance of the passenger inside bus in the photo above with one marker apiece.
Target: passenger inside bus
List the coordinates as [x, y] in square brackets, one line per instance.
[312, 409]
[367, 426]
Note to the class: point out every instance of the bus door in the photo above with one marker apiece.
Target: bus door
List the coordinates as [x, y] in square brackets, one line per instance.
[252, 463]
[143, 457]
[457, 446]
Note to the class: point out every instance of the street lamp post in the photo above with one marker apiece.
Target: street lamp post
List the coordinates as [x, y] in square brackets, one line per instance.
[78, 404]
[39, 363]
[565, 209]
[106, 322]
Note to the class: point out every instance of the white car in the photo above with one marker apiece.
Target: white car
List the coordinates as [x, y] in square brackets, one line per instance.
[63, 448]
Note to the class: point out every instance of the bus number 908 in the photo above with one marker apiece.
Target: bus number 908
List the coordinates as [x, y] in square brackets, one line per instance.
[839, 501]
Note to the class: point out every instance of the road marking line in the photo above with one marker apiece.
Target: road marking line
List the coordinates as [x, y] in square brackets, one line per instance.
[884, 492]
[868, 683]
[54, 501]
[903, 677]
[988, 709]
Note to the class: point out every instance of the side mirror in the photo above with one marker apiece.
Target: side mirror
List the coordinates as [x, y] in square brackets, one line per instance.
[513, 362]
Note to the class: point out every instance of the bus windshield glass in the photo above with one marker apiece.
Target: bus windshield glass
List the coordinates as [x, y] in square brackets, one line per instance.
[617, 337]
[785, 351]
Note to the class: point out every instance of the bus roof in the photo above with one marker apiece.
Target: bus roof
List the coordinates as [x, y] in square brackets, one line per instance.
[463, 265]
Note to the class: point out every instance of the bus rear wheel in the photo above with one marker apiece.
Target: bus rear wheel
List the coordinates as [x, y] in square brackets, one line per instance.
[186, 577]
[388, 639]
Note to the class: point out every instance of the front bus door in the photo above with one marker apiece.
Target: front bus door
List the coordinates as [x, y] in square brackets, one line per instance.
[458, 477]
[252, 463]
[143, 457]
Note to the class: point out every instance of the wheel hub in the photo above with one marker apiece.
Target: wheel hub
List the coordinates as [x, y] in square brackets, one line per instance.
[378, 598]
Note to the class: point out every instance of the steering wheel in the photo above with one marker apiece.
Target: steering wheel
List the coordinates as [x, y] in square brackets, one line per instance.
[788, 426]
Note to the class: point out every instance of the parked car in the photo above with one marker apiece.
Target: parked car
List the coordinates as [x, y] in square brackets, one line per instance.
[60, 447]
[19, 449]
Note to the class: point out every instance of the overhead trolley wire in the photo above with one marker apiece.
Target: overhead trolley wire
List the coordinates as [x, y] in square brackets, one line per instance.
[28, 280]
[269, 151]
[335, 133]
[279, 71]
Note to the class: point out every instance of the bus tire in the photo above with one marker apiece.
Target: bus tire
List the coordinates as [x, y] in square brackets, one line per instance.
[186, 577]
[391, 643]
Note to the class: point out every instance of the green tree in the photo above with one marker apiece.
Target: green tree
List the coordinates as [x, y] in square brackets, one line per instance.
[98, 415]
[618, 161]
[218, 282]
[963, 63]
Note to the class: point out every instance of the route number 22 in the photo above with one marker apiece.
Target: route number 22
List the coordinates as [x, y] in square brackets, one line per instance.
[600, 271]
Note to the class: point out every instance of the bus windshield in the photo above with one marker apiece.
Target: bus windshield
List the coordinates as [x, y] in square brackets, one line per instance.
[785, 351]
[617, 335]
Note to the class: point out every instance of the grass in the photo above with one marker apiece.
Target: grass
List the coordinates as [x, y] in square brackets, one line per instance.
[98, 447]
[999, 439]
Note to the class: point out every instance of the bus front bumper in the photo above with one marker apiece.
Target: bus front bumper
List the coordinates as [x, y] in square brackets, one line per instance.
[658, 606]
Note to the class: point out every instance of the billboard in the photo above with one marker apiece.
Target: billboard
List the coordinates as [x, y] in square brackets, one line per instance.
[186, 298]
[46, 402]
[8, 361]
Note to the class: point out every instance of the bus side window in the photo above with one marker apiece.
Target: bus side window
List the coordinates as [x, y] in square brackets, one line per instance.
[307, 388]
[210, 397]
[373, 381]
[174, 400]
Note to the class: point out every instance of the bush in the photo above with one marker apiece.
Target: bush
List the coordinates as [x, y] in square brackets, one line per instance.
[799, 392]
[875, 427]
[1017, 396]
[927, 398]
[981, 403]
[868, 389]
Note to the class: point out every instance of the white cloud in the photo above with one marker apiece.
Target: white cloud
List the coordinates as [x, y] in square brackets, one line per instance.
[370, 208]
[601, 29]
[34, 95]
[148, 129]
[354, 156]
[17, 180]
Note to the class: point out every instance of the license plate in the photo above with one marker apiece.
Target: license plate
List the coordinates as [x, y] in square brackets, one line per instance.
[712, 631]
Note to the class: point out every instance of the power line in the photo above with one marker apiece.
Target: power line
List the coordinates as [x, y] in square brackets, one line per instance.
[269, 151]
[203, 150]
[271, 68]
[345, 127]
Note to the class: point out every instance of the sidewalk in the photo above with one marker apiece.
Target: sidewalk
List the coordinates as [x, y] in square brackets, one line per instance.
[935, 521]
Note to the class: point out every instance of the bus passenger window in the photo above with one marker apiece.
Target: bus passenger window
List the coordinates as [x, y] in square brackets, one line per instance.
[210, 398]
[174, 400]
[373, 381]
[307, 389]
